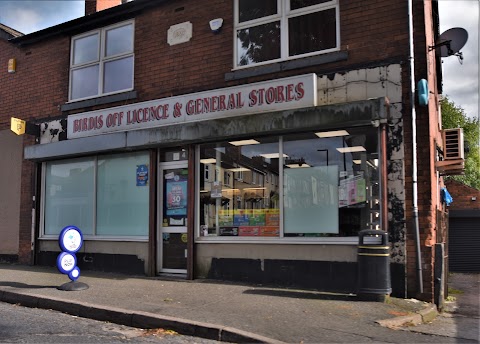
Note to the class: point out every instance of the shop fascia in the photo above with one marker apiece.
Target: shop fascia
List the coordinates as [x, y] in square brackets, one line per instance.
[274, 95]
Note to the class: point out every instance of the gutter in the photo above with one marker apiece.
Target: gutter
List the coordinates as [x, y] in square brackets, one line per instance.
[414, 151]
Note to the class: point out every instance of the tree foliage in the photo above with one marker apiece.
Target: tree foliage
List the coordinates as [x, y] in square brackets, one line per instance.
[454, 116]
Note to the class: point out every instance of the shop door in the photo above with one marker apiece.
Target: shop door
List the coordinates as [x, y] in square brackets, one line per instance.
[172, 224]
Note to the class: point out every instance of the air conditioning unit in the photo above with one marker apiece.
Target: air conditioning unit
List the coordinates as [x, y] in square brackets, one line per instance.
[453, 144]
[453, 162]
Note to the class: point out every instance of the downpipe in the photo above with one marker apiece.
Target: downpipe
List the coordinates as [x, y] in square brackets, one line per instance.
[414, 151]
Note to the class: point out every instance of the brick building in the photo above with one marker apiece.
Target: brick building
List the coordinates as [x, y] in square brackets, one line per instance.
[241, 140]
[463, 227]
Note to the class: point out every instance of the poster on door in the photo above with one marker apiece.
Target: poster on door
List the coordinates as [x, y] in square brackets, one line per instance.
[176, 196]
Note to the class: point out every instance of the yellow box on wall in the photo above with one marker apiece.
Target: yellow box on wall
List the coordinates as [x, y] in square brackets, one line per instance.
[12, 65]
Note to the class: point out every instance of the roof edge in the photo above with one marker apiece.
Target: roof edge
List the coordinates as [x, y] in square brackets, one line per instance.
[87, 22]
[12, 32]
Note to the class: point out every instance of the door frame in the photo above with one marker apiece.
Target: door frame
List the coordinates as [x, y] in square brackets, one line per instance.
[162, 166]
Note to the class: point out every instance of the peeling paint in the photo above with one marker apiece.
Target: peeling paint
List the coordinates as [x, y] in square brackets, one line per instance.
[376, 82]
[52, 131]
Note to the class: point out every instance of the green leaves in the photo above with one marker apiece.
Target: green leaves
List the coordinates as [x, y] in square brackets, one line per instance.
[454, 116]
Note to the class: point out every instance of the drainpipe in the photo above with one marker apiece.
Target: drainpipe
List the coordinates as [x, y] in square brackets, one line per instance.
[414, 150]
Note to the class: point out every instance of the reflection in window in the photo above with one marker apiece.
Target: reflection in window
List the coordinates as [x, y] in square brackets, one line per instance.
[352, 157]
[258, 44]
[254, 9]
[242, 204]
[312, 32]
[297, 28]
[93, 73]
[330, 185]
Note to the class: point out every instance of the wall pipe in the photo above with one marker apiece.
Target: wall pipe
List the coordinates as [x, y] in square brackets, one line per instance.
[414, 150]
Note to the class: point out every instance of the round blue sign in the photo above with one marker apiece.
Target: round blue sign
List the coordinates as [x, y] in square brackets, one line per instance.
[66, 262]
[74, 274]
[70, 239]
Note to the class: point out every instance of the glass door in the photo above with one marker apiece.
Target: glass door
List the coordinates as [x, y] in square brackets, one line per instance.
[172, 226]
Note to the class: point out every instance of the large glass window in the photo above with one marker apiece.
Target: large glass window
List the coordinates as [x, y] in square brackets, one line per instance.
[276, 30]
[315, 184]
[102, 62]
[69, 195]
[237, 200]
[105, 196]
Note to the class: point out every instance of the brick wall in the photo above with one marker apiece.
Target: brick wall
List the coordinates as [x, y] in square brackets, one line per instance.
[372, 32]
[464, 197]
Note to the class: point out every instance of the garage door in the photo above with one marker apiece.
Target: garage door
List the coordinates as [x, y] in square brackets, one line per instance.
[464, 241]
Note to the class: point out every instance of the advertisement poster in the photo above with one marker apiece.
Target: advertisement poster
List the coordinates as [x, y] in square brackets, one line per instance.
[216, 190]
[142, 175]
[241, 218]
[176, 196]
[272, 217]
[352, 191]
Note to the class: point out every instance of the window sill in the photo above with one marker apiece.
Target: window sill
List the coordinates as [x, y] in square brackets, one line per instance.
[278, 241]
[287, 65]
[99, 101]
[102, 238]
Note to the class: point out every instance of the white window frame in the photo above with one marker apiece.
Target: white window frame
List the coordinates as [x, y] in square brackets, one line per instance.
[284, 13]
[101, 59]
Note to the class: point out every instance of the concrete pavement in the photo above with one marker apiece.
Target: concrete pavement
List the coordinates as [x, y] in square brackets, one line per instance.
[216, 310]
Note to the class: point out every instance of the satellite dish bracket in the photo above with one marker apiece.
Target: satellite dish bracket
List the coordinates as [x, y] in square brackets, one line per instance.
[444, 43]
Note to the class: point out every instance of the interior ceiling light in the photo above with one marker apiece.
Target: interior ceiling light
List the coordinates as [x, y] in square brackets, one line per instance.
[208, 161]
[298, 166]
[332, 133]
[239, 169]
[244, 142]
[357, 161]
[351, 149]
[273, 155]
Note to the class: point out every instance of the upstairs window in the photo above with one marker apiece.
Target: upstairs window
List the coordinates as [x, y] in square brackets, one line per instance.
[102, 62]
[275, 30]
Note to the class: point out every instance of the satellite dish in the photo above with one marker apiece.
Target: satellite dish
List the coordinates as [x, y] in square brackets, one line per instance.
[451, 41]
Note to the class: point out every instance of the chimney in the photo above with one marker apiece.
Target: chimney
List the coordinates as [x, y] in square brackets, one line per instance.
[92, 6]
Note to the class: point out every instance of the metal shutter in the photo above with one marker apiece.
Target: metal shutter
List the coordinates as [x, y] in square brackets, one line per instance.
[464, 244]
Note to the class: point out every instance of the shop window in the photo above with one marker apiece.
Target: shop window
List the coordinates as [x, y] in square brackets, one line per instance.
[105, 196]
[102, 62]
[276, 30]
[323, 184]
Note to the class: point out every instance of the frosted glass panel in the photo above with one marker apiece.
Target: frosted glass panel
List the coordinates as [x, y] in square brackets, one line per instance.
[122, 202]
[69, 195]
[311, 200]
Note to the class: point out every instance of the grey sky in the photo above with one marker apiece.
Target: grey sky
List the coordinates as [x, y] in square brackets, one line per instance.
[460, 82]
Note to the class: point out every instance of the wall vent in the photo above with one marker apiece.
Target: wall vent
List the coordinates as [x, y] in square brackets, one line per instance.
[453, 162]
[453, 144]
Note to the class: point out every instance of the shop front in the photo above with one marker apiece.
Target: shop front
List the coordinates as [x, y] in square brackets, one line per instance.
[253, 183]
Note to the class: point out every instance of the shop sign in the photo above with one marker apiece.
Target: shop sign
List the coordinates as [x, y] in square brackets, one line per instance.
[274, 95]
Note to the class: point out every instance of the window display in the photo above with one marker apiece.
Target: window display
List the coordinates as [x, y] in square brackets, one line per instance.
[314, 184]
